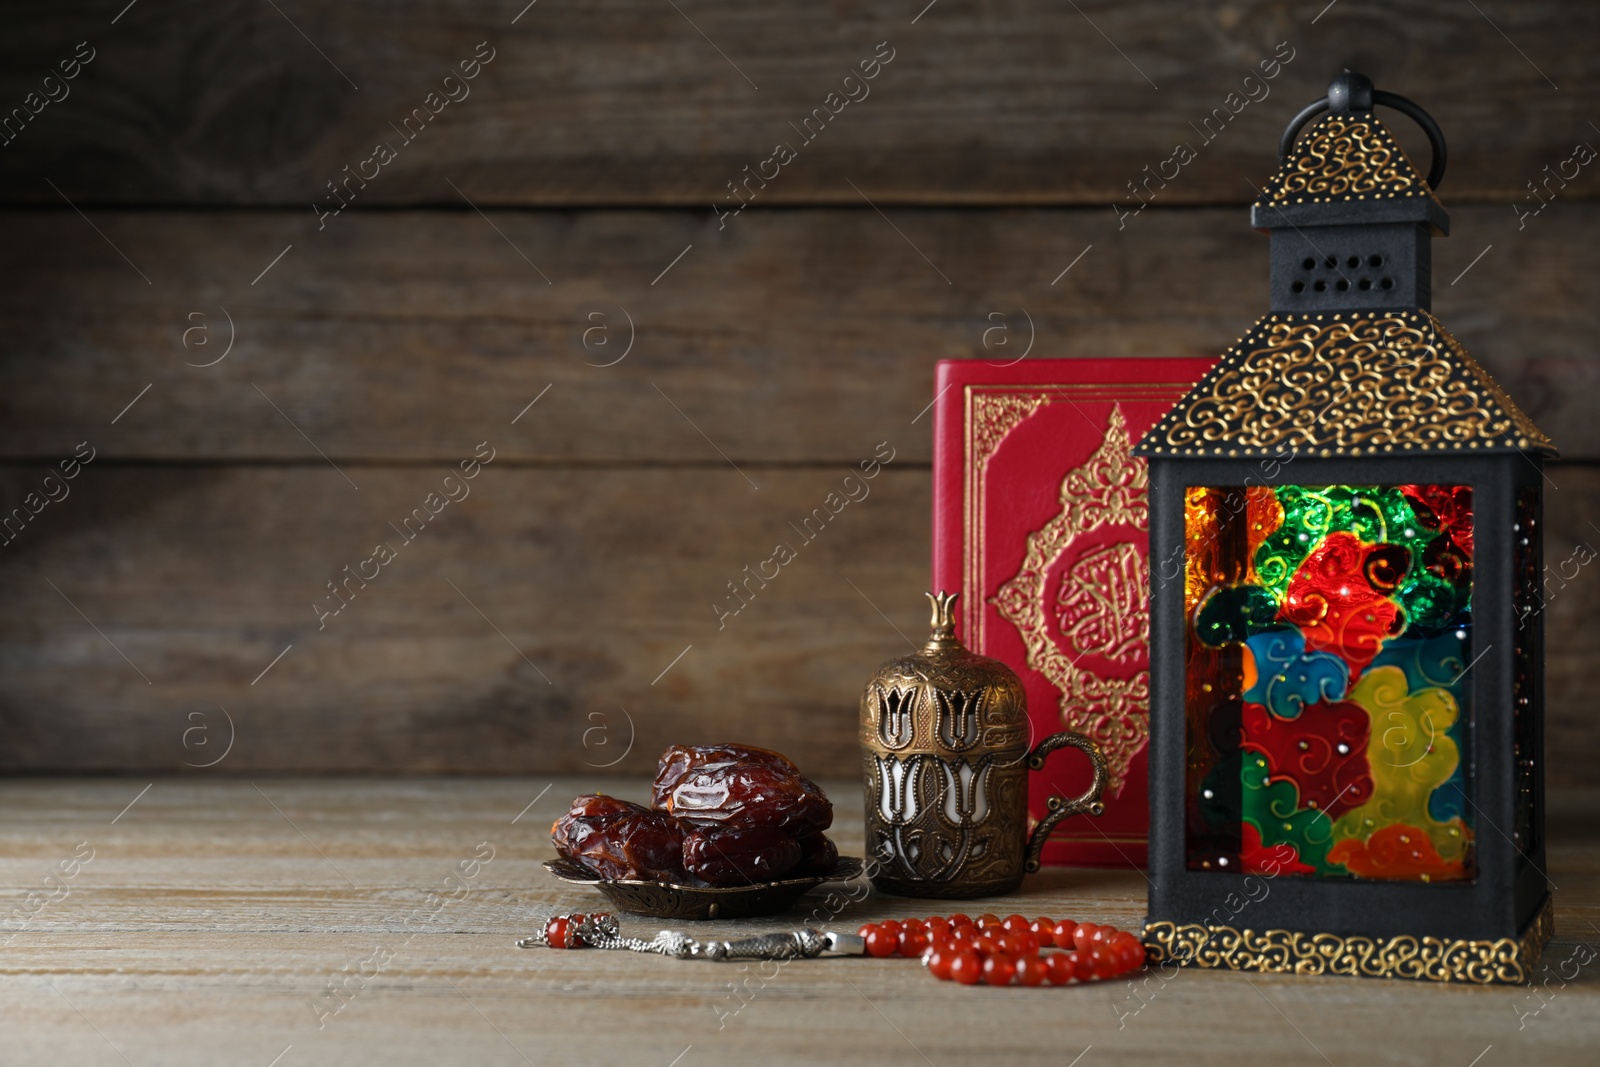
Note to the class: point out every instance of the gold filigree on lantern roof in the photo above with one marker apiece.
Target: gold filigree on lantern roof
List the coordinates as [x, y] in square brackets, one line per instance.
[1363, 383]
[1345, 158]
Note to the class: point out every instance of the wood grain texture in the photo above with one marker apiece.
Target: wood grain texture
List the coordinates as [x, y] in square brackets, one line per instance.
[627, 101]
[575, 593]
[212, 916]
[791, 336]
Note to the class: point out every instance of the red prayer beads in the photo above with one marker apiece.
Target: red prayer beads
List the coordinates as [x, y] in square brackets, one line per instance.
[1010, 951]
[566, 931]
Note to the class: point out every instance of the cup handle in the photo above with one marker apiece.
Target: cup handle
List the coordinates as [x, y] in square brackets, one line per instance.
[1060, 807]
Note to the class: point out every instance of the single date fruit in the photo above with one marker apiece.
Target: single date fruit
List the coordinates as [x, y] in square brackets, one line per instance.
[740, 857]
[588, 813]
[737, 787]
[615, 839]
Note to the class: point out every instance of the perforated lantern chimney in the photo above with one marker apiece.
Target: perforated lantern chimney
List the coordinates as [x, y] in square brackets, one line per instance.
[1351, 219]
[1346, 645]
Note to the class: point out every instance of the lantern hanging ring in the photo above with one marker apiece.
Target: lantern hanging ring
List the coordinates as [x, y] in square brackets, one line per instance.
[1352, 93]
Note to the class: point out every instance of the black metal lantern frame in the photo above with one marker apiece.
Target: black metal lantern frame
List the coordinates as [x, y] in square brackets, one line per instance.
[1346, 649]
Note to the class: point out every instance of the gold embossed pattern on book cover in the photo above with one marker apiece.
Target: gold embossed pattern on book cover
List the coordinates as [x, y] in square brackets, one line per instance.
[1102, 606]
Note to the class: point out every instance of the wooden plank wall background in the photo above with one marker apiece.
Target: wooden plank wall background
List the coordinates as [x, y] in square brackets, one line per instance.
[267, 391]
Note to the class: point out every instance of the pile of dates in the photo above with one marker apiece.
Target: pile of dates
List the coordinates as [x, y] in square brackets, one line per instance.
[720, 815]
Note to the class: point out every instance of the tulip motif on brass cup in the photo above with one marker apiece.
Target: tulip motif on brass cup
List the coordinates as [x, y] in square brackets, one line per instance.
[896, 717]
[958, 718]
[935, 818]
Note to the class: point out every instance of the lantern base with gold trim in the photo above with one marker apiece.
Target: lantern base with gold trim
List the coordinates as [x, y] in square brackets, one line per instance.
[1506, 960]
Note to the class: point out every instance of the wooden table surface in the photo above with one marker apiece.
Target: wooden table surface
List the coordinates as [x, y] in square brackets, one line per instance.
[201, 921]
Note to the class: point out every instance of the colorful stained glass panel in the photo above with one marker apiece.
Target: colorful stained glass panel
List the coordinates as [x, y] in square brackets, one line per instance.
[1328, 685]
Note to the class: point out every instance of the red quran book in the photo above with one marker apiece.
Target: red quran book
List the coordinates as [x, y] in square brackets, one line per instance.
[1039, 520]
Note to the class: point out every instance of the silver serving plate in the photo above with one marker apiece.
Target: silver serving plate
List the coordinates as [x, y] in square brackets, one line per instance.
[664, 900]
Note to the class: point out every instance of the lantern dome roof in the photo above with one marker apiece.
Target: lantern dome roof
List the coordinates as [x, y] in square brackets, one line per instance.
[1361, 383]
[1348, 168]
[1345, 158]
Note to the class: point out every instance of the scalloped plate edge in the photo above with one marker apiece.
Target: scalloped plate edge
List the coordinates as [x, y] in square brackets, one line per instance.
[569, 871]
